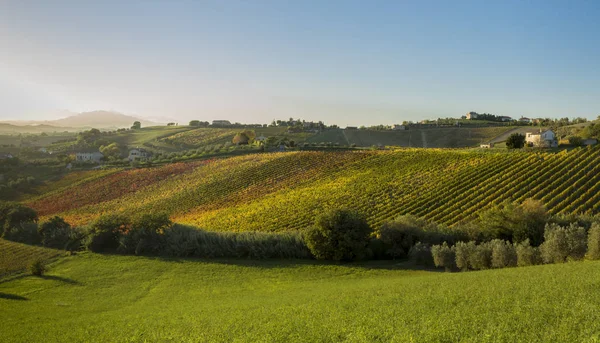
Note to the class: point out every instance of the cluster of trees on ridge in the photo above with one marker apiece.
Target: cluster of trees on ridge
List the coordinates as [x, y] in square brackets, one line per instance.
[504, 236]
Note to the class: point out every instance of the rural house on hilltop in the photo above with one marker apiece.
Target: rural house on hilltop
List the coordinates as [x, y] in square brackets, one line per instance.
[472, 115]
[542, 139]
[138, 154]
[95, 156]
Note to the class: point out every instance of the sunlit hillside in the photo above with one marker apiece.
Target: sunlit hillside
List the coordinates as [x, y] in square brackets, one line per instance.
[280, 191]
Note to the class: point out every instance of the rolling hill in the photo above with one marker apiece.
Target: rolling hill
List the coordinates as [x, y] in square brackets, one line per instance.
[285, 191]
[94, 119]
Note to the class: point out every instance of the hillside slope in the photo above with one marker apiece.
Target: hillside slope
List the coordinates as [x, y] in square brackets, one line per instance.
[424, 138]
[110, 298]
[280, 191]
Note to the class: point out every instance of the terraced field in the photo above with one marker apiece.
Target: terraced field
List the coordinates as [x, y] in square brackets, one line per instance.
[282, 191]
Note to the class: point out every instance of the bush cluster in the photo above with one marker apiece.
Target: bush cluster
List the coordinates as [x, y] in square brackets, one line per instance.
[506, 236]
[400, 235]
[182, 241]
[561, 244]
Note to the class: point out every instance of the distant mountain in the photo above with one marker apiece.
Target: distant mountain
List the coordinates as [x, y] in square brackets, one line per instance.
[100, 119]
[6, 128]
[95, 119]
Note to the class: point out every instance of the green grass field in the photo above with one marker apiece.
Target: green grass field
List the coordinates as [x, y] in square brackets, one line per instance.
[98, 298]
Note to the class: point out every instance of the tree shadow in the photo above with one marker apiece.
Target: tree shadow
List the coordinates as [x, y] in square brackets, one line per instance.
[11, 296]
[59, 278]
[44, 277]
[295, 263]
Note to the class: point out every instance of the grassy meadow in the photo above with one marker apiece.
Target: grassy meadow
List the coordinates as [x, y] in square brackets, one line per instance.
[108, 298]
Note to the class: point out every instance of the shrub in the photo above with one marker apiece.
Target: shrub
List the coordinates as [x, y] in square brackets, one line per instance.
[443, 256]
[105, 232]
[481, 256]
[340, 235]
[463, 252]
[55, 232]
[76, 239]
[593, 252]
[515, 141]
[145, 234]
[37, 267]
[405, 231]
[504, 254]
[526, 254]
[420, 254]
[399, 237]
[562, 243]
[577, 241]
[575, 140]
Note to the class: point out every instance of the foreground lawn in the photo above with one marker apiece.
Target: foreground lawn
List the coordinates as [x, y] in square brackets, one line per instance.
[98, 298]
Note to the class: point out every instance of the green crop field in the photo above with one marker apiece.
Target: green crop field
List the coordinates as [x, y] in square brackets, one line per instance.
[97, 298]
[282, 191]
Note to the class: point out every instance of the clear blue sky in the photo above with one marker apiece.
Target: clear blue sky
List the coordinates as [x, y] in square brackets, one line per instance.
[344, 62]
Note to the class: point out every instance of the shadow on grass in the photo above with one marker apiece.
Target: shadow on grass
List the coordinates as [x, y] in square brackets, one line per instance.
[44, 277]
[59, 278]
[11, 296]
[294, 263]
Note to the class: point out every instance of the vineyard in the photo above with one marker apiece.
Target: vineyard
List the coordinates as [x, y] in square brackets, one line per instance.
[15, 257]
[285, 191]
[201, 137]
[432, 138]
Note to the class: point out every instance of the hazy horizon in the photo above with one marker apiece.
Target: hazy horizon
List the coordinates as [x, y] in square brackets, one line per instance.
[343, 62]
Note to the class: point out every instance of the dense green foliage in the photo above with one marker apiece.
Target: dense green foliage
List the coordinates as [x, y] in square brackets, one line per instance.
[593, 244]
[515, 222]
[55, 232]
[515, 141]
[13, 214]
[339, 235]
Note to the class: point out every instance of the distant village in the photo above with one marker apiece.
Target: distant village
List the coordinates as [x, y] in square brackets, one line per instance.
[538, 136]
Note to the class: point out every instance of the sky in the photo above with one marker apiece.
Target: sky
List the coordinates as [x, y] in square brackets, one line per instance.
[343, 62]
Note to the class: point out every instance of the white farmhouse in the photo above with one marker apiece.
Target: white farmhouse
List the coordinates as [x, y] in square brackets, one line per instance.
[472, 115]
[545, 139]
[95, 156]
[138, 154]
